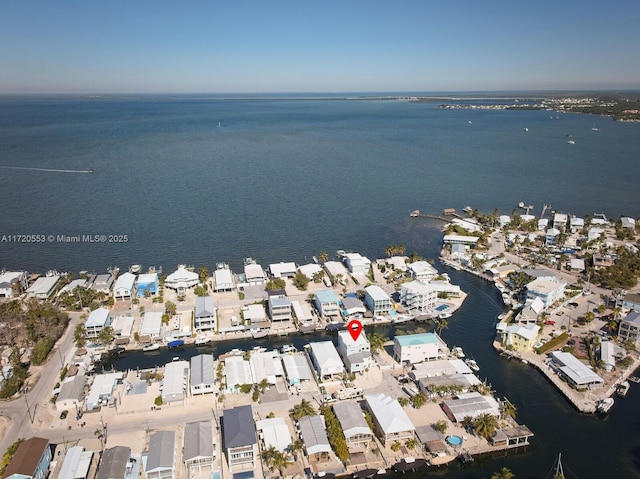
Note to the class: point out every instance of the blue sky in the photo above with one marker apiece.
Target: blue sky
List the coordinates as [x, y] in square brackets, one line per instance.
[300, 46]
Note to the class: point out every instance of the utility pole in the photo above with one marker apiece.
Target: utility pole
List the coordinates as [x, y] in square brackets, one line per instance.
[28, 408]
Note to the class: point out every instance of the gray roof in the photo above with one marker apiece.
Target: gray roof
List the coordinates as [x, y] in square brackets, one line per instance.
[73, 389]
[351, 418]
[314, 434]
[114, 463]
[202, 369]
[162, 447]
[238, 427]
[205, 307]
[198, 440]
[632, 318]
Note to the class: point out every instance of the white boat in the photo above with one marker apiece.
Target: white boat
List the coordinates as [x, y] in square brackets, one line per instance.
[202, 340]
[288, 348]
[570, 140]
[595, 128]
[135, 268]
[458, 352]
[623, 388]
[604, 405]
[259, 333]
[506, 299]
[526, 129]
[473, 365]
[151, 347]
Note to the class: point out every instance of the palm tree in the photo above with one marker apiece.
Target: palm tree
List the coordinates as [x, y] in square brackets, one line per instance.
[203, 274]
[376, 342]
[442, 324]
[323, 257]
[296, 447]
[485, 425]
[303, 409]
[79, 336]
[508, 409]
[503, 473]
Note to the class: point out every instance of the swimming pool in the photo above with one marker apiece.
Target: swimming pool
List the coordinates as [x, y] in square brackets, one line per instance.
[454, 440]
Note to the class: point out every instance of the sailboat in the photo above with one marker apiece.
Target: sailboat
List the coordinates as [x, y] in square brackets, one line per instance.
[558, 473]
[595, 128]
[570, 140]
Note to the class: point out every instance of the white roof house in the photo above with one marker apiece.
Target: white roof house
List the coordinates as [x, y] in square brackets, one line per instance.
[122, 326]
[237, 372]
[422, 271]
[266, 365]
[416, 348]
[124, 286]
[314, 435]
[76, 463]
[297, 368]
[543, 223]
[458, 239]
[468, 224]
[98, 320]
[418, 296]
[174, 382]
[309, 270]
[574, 371]
[504, 220]
[354, 425]
[628, 222]
[7, 281]
[274, 432]
[357, 264]
[151, 324]
[334, 268]
[520, 337]
[182, 279]
[390, 420]
[256, 315]
[549, 291]
[326, 359]
[302, 311]
[377, 300]
[576, 224]
[560, 221]
[398, 263]
[43, 287]
[102, 389]
[283, 270]
[223, 279]
[355, 353]
[254, 274]
[76, 283]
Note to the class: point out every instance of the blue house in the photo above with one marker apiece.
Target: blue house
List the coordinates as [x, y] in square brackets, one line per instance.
[147, 284]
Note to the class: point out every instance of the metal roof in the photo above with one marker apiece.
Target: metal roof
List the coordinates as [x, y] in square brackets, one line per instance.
[238, 427]
[198, 440]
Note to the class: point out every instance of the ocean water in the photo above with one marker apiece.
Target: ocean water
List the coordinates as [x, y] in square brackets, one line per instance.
[201, 180]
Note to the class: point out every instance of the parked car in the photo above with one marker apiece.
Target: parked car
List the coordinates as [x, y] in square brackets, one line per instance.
[63, 414]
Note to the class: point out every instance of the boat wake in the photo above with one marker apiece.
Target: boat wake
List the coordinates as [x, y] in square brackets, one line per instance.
[51, 170]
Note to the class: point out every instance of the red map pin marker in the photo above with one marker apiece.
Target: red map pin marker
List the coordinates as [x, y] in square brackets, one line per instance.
[355, 328]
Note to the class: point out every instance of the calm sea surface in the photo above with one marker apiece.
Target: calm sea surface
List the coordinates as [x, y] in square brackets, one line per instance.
[201, 180]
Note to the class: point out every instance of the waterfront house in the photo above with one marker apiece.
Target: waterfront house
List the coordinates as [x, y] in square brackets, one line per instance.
[471, 404]
[543, 223]
[310, 270]
[76, 463]
[357, 264]
[629, 329]
[574, 371]
[203, 375]
[255, 315]
[549, 291]
[147, 285]
[378, 302]
[283, 270]
[335, 270]
[30, 461]
[115, 463]
[356, 354]
[151, 324]
[174, 381]
[69, 288]
[13, 283]
[254, 274]
[418, 296]
[397, 263]
[594, 233]
[102, 283]
[122, 329]
[327, 303]
[279, 306]
[460, 239]
[354, 426]
[560, 221]
[469, 224]
[237, 372]
[223, 279]
[352, 307]
[204, 314]
[422, 271]
[44, 287]
[627, 222]
[416, 348]
[576, 224]
[239, 436]
[102, 388]
[124, 288]
[98, 320]
[160, 457]
[274, 433]
[325, 359]
[520, 337]
[314, 436]
[608, 352]
[504, 220]
[181, 280]
[531, 311]
[301, 311]
[297, 368]
[265, 365]
[390, 421]
[199, 446]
